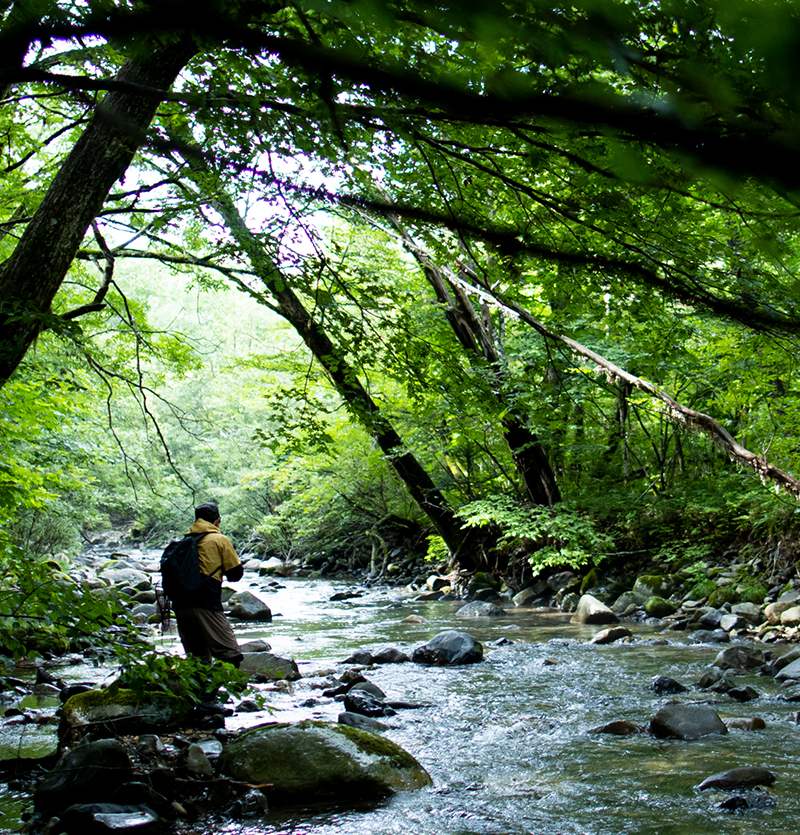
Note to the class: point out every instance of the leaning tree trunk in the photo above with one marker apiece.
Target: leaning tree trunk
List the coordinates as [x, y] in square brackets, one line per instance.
[345, 380]
[475, 335]
[32, 275]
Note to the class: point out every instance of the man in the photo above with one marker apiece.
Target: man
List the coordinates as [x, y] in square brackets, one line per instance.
[202, 625]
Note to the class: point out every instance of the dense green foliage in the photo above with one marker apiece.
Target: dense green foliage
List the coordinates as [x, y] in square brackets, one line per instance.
[312, 277]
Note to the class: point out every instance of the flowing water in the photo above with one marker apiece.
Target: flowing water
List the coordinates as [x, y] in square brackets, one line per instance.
[506, 742]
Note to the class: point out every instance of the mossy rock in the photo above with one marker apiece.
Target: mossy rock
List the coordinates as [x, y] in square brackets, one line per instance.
[483, 580]
[314, 760]
[721, 595]
[40, 640]
[98, 714]
[754, 593]
[591, 580]
[658, 607]
[701, 589]
[661, 585]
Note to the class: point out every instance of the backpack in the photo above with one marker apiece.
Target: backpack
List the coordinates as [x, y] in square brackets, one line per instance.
[180, 568]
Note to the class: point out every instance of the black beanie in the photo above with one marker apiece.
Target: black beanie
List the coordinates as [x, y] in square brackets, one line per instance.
[208, 511]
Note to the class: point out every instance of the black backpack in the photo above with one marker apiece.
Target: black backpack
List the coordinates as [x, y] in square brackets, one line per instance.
[180, 569]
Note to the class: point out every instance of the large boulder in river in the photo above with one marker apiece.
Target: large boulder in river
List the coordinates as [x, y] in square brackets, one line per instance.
[313, 761]
[738, 778]
[87, 773]
[246, 606]
[739, 657]
[126, 577]
[449, 648]
[790, 671]
[270, 667]
[101, 713]
[591, 610]
[480, 609]
[686, 722]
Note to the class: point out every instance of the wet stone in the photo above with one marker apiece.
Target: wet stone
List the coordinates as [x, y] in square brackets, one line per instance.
[743, 694]
[109, 817]
[365, 723]
[738, 778]
[686, 722]
[664, 684]
[619, 727]
[612, 634]
[746, 801]
[745, 723]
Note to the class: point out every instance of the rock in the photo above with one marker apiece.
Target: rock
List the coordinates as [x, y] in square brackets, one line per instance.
[95, 818]
[252, 804]
[746, 723]
[731, 622]
[389, 655]
[193, 758]
[591, 610]
[435, 583]
[414, 619]
[686, 722]
[367, 704]
[480, 609]
[739, 657]
[314, 761]
[664, 684]
[625, 601]
[791, 617]
[345, 595]
[747, 800]
[247, 706]
[368, 687]
[246, 606]
[271, 566]
[252, 564]
[365, 723]
[785, 660]
[98, 713]
[87, 773]
[791, 670]
[653, 584]
[774, 611]
[126, 576]
[270, 667]
[146, 609]
[789, 596]
[528, 595]
[561, 580]
[150, 745]
[450, 648]
[710, 636]
[658, 607]
[613, 633]
[743, 694]
[362, 657]
[619, 727]
[709, 618]
[144, 597]
[259, 645]
[749, 611]
[738, 778]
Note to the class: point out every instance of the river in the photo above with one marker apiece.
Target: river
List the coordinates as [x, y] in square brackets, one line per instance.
[506, 741]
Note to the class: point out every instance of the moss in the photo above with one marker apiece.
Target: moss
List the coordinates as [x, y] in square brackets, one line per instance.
[375, 744]
[102, 698]
[753, 593]
[702, 589]
[725, 594]
[591, 580]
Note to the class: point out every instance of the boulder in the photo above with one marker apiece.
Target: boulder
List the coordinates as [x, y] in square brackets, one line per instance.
[269, 666]
[731, 622]
[785, 660]
[789, 596]
[791, 617]
[743, 694]
[591, 610]
[658, 607]
[624, 601]
[528, 595]
[709, 618]
[87, 773]
[745, 723]
[194, 759]
[389, 655]
[738, 778]
[258, 645]
[364, 723]
[619, 727]
[749, 611]
[362, 657]
[246, 606]
[99, 713]
[710, 636]
[127, 577]
[686, 722]
[774, 611]
[560, 581]
[613, 633]
[271, 566]
[661, 685]
[480, 609]
[436, 583]
[314, 761]
[649, 585]
[739, 657]
[791, 670]
[450, 648]
[366, 703]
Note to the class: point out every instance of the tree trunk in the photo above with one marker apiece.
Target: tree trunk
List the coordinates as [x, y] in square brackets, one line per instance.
[32, 275]
[345, 380]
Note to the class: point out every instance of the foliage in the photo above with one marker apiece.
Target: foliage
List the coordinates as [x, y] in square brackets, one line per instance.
[188, 678]
[558, 535]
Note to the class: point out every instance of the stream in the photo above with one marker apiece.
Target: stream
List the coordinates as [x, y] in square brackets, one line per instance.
[506, 741]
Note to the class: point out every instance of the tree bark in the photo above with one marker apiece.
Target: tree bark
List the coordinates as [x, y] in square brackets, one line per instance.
[32, 275]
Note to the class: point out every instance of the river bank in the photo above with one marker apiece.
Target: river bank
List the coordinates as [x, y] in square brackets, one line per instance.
[507, 742]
